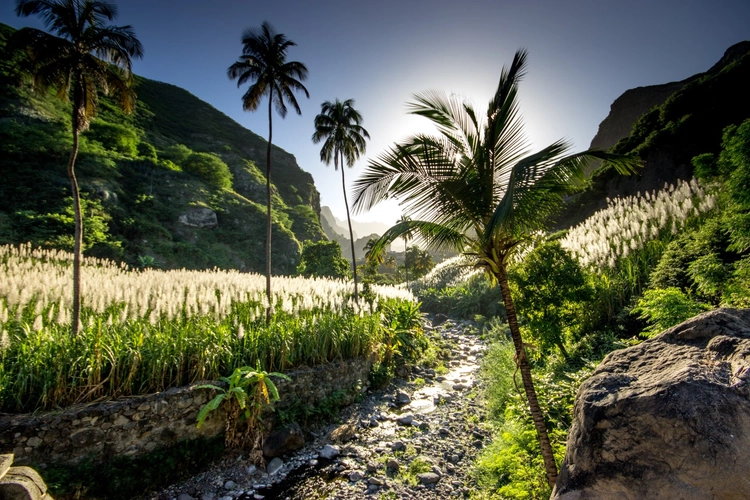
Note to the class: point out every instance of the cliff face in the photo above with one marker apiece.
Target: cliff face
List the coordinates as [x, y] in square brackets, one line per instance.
[628, 108]
[666, 126]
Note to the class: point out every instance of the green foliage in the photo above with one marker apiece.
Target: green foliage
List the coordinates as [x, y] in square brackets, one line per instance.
[113, 136]
[731, 171]
[666, 307]
[249, 392]
[210, 168]
[419, 262]
[553, 295]
[475, 296]
[323, 259]
[35, 138]
[402, 342]
[497, 371]
[324, 410]
[142, 357]
[417, 465]
[55, 229]
[146, 150]
[511, 466]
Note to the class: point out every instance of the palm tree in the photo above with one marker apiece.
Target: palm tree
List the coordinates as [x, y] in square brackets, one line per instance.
[475, 187]
[263, 62]
[83, 54]
[338, 125]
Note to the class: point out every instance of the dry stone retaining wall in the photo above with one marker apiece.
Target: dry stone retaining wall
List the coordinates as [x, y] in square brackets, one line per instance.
[138, 425]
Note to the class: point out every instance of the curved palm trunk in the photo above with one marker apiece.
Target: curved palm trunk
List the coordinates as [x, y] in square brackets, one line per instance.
[269, 309]
[78, 237]
[351, 233]
[528, 384]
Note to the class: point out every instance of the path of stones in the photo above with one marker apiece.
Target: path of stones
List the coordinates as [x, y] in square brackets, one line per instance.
[410, 440]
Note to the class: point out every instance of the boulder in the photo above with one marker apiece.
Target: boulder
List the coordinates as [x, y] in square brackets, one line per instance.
[20, 483]
[199, 217]
[666, 419]
[283, 441]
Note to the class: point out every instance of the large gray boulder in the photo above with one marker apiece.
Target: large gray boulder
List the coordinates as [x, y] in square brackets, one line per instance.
[666, 419]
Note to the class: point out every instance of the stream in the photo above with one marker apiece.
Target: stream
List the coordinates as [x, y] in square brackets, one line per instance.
[417, 438]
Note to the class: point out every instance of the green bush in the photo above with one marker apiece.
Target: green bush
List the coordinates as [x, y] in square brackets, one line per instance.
[210, 168]
[115, 137]
[553, 295]
[475, 296]
[323, 259]
[666, 307]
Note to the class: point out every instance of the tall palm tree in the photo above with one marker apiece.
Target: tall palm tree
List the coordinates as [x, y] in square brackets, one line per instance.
[81, 55]
[338, 126]
[406, 236]
[263, 62]
[475, 187]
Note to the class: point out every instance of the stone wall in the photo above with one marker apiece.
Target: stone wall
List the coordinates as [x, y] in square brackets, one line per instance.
[138, 425]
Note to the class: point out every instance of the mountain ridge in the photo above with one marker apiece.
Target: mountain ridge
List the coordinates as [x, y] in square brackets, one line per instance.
[144, 177]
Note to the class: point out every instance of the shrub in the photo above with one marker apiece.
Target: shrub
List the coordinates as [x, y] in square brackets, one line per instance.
[666, 307]
[210, 168]
[115, 137]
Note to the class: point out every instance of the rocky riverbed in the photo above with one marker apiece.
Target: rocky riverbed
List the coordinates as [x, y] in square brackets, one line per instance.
[417, 438]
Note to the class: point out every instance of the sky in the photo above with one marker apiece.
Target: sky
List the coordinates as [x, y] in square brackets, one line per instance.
[582, 56]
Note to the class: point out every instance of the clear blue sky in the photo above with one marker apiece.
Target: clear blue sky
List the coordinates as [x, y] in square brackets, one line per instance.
[582, 56]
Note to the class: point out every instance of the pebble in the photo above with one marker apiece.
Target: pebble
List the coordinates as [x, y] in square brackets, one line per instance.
[274, 466]
[330, 451]
[428, 478]
[405, 419]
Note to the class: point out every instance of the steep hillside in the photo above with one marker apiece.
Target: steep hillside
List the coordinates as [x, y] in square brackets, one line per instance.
[677, 127]
[175, 184]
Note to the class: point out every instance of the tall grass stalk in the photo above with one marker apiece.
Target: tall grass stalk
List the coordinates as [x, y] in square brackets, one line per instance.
[147, 331]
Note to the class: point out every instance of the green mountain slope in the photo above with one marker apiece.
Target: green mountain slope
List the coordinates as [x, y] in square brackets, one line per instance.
[688, 123]
[146, 177]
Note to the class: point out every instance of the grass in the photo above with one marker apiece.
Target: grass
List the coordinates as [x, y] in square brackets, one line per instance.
[145, 331]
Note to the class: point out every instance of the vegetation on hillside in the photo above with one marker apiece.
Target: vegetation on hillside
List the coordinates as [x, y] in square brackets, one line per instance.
[139, 173]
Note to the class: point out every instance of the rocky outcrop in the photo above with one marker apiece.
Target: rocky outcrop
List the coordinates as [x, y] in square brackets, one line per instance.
[666, 419]
[200, 217]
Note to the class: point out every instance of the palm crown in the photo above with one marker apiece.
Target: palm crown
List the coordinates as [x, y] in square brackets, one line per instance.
[474, 186]
[263, 62]
[338, 126]
[81, 51]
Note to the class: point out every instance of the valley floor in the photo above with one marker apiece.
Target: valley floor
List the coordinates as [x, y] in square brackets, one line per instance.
[417, 438]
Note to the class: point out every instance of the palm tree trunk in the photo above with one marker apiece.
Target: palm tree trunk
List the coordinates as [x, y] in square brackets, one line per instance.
[78, 236]
[268, 213]
[406, 267]
[351, 233]
[528, 384]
